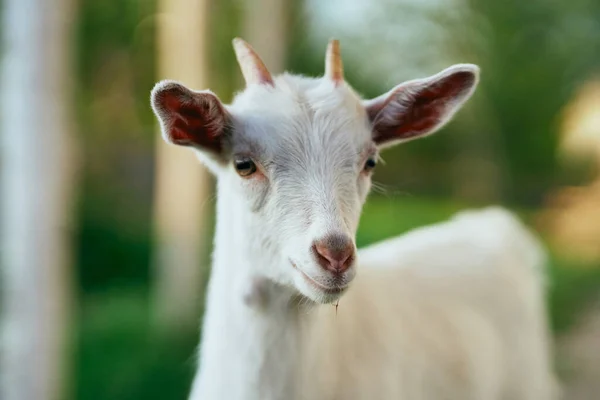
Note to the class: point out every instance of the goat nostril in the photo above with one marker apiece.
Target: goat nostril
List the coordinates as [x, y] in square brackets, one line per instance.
[320, 252]
[334, 253]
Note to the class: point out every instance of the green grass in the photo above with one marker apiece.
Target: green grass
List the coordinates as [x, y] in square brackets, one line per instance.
[122, 356]
[385, 217]
[572, 287]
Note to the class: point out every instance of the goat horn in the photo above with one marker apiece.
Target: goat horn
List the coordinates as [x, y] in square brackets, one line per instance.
[253, 69]
[334, 69]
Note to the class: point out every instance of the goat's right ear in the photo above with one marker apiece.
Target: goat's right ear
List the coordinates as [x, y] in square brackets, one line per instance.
[190, 118]
[420, 107]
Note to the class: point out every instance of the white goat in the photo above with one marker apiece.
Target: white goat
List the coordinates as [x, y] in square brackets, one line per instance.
[453, 311]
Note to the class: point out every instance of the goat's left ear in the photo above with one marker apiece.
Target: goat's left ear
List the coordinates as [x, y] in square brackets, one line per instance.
[418, 108]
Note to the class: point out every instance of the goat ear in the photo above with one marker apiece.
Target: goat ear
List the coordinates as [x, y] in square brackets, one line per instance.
[418, 108]
[190, 118]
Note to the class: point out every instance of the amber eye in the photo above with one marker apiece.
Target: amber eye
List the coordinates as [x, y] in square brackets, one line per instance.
[244, 166]
[370, 164]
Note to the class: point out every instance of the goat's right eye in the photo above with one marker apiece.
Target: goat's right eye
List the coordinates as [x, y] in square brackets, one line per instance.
[370, 164]
[244, 167]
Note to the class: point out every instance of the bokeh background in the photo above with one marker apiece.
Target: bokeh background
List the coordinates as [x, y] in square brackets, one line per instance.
[106, 231]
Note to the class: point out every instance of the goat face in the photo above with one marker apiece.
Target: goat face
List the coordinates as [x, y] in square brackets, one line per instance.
[302, 153]
[298, 153]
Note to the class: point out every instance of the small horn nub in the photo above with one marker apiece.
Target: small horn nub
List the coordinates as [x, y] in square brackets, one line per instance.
[253, 69]
[334, 69]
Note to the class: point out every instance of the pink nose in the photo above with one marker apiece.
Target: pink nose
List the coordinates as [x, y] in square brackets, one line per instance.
[334, 253]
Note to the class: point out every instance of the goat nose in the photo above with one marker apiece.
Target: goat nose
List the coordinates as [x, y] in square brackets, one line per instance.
[334, 253]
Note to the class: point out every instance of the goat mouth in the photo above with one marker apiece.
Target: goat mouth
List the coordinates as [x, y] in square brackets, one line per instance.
[312, 282]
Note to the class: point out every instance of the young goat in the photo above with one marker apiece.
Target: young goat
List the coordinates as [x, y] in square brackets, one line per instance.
[453, 311]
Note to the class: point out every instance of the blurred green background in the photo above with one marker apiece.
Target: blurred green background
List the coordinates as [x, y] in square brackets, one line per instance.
[529, 139]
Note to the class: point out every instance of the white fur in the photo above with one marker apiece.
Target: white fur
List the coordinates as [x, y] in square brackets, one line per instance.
[453, 311]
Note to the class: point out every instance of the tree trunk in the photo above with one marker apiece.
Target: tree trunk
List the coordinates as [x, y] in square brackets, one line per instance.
[182, 185]
[37, 188]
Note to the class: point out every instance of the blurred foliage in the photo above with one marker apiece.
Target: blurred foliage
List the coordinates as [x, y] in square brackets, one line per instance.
[533, 55]
[116, 72]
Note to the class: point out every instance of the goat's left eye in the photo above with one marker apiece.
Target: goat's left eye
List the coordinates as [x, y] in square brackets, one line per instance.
[370, 164]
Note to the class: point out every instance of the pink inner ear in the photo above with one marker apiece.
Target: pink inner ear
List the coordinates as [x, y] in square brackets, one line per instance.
[194, 125]
[414, 111]
[194, 119]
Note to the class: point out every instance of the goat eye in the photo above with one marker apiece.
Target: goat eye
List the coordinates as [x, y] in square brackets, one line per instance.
[245, 166]
[370, 164]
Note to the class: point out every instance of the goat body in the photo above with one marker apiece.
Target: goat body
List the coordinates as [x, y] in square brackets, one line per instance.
[451, 311]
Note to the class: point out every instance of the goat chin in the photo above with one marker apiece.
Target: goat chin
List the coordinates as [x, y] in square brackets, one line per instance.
[450, 311]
